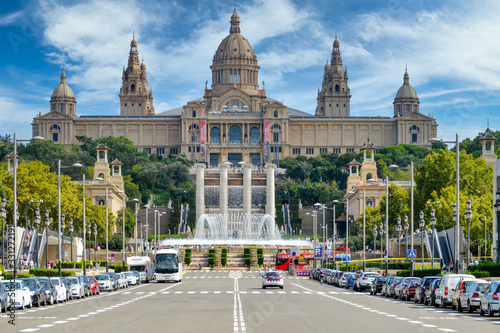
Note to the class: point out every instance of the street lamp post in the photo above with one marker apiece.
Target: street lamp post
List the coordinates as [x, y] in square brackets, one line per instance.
[63, 226]
[30, 201]
[454, 218]
[381, 240]
[124, 203]
[89, 230]
[3, 215]
[375, 233]
[71, 229]
[37, 223]
[59, 167]
[439, 203]
[95, 242]
[497, 208]
[84, 221]
[406, 227]
[398, 228]
[135, 229]
[433, 227]
[159, 225]
[60, 233]
[422, 230]
[107, 232]
[47, 223]
[364, 230]
[485, 242]
[457, 188]
[156, 221]
[468, 215]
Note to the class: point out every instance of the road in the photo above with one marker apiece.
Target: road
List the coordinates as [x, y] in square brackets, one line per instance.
[223, 301]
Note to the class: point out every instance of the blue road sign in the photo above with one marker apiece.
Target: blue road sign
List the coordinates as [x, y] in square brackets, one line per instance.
[317, 252]
[294, 254]
[412, 254]
[112, 254]
[385, 252]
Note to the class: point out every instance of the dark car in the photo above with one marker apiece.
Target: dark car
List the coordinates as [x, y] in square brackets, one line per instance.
[377, 284]
[37, 292]
[94, 285]
[430, 293]
[50, 289]
[3, 298]
[86, 285]
[409, 289]
[422, 288]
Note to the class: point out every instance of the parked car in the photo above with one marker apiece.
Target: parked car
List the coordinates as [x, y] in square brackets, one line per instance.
[459, 289]
[391, 289]
[446, 288]
[386, 286]
[351, 279]
[311, 275]
[51, 294]
[336, 280]
[37, 291]
[86, 285]
[377, 284]
[105, 282]
[469, 299]
[94, 285]
[3, 298]
[272, 279]
[408, 290]
[68, 287]
[77, 287]
[422, 288]
[430, 293]
[137, 277]
[398, 291]
[114, 280]
[489, 302]
[364, 280]
[343, 279]
[61, 288]
[122, 280]
[22, 296]
[131, 279]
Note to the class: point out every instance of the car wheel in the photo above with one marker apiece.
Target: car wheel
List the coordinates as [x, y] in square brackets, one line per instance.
[39, 303]
[281, 287]
[459, 307]
[22, 304]
[51, 300]
[490, 311]
[481, 311]
[263, 287]
[31, 303]
[442, 305]
[453, 307]
[469, 307]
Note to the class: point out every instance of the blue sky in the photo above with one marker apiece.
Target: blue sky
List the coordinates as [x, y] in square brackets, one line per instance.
[451, 49]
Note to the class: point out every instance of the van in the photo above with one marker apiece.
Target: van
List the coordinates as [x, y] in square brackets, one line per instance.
[447, 287]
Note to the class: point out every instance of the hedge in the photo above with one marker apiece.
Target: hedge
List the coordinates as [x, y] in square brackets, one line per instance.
[119, 268]
[49, 272]
[492, 268]
[210, 261]
[260, 251]
[68, 264]
[246, 250]
[224, 251]
[480, 274]
[420, 272]
[2, 270]
[10, 275]
[223, 260]
[79, 264]
[187, 259]
[260, 260]
[399, 265]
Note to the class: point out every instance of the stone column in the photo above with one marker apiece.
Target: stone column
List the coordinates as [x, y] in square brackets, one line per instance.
[247, 194]
[270, 203]
[200, 190]
[223, 202]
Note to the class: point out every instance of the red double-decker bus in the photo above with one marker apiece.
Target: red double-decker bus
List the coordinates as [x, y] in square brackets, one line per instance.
[299, 259]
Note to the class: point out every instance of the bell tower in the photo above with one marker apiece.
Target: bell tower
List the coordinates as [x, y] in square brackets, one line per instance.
[135, 97]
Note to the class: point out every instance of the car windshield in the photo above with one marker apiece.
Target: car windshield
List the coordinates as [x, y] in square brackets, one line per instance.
[102, 277]
[30, 283]
[128, 274]
[56, 281]
[373, 275]
[272, 274]
[414, 283]
[45, 283]
[7, 285]
[73, 281]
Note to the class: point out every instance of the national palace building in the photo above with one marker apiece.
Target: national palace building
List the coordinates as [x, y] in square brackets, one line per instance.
[235, 120]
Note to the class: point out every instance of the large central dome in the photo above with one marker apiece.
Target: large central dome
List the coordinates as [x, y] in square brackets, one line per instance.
[235, 63]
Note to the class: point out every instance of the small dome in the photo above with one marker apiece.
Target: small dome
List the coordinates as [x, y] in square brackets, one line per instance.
[63, 90]
[406, 90]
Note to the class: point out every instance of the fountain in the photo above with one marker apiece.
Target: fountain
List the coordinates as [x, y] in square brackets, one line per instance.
[237, 220]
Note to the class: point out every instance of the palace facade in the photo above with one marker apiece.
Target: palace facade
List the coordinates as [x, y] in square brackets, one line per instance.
[235, 120]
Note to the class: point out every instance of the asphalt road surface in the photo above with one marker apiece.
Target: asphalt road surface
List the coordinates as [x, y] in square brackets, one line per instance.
[234, 302]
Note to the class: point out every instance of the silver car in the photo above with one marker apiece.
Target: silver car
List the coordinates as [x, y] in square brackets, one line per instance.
[365, 281]
[77, 287]
[489, 300]
[469, 299]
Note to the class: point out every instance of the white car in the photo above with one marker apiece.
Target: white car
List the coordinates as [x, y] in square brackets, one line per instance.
[446, 289]
[104, 281]
[77, 287]
[61, 289]
[272, 279]
[365, 280]
[131, 279]
[22, 296]
[123, 280]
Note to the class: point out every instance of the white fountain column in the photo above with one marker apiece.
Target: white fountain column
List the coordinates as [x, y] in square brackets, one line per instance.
[223, 202]
[247, 195]
[270, 202]
[200, 191]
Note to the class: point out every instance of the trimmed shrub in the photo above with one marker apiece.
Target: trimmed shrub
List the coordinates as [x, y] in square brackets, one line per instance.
[10, 275]
[211, 251]
[210, 261]
[2, 270]
[260, 251]
[260, 260]
[420, 272]
[224, 251]
[119, 268]
[49, 272]
[480, 274]
[489, 266]
[68, 264]
[399, 265]
[187, 259]
[246, 250]
[78, 264]
[223, 260]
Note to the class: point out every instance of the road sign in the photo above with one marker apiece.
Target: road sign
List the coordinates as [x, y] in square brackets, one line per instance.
[385, 252]
[112, 254]
[294, 254]
[95, 249]
[317, 252]
[65, 254]
[412, 254]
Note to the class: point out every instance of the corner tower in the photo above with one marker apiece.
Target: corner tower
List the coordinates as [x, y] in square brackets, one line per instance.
[334, 98]
[235, 63]
[135, 97]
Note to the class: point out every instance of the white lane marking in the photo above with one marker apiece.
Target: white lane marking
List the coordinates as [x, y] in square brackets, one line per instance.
[204, 292]
[60, 322]
[446, 330]
[216, 292]
[30, 330]
[72, 318]
[191, 292]
[46, 325]
[178, 292]
[429, 325]
[166, 292]
[229, 292]
[256, 292]
[83, 316]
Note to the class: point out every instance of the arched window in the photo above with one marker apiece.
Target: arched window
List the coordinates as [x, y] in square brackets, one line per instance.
[414, 131]
[235, 134]
[215, 135]
[275, 114]
[55, 128]
[132, 88]
[276, 132]
[194, 114]
[337, 88]
[254, 135]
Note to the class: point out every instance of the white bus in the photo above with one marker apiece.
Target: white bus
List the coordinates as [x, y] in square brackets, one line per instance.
[142, 265]
[168, 266]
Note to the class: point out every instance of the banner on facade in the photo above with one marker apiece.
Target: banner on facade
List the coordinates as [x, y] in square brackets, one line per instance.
[266, 141]
[203, 134]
